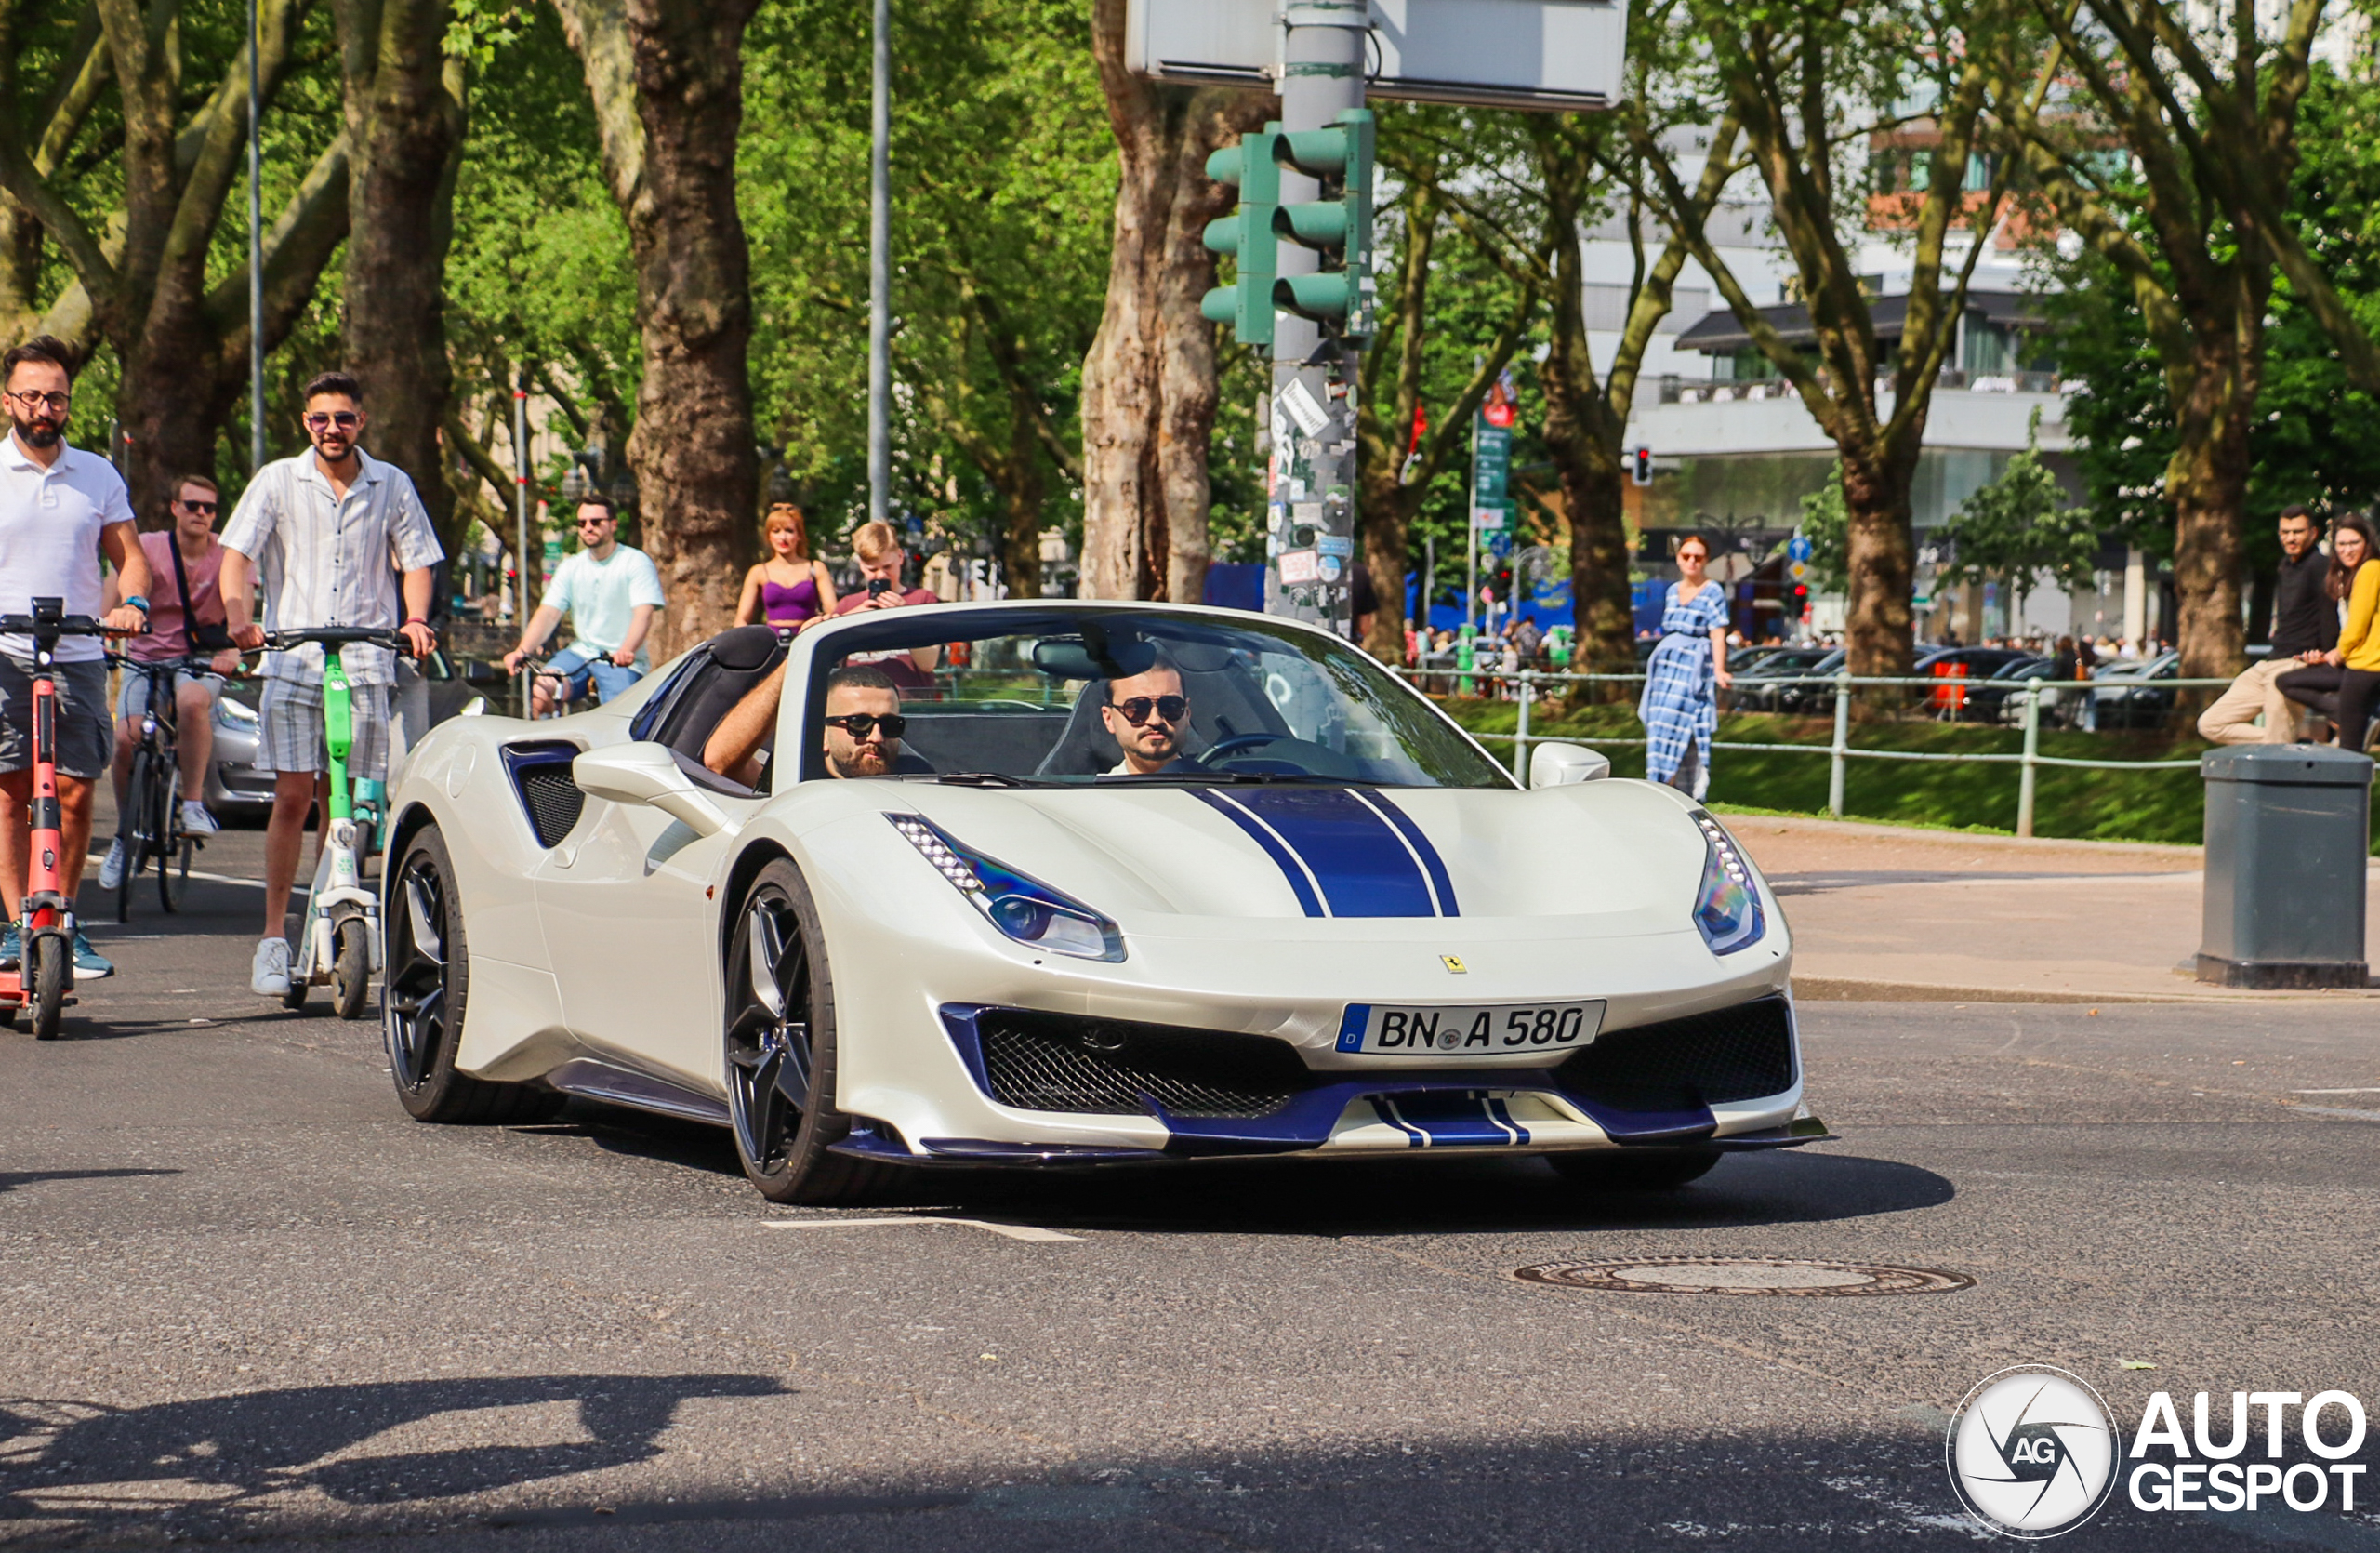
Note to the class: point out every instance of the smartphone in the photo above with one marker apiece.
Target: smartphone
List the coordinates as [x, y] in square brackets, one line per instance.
[878, 585]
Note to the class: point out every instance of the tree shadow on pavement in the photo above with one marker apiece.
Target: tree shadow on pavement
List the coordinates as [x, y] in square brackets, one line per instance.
[78, 1466]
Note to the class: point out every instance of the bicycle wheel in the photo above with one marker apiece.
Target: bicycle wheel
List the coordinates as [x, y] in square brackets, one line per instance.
[173, 873]
[132, 834]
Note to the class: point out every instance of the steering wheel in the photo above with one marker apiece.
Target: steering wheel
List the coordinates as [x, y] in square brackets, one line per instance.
[1238, 742]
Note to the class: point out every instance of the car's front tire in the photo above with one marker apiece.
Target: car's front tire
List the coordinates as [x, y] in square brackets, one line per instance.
[780, 1050]
[1629, 1170]
[429, 984]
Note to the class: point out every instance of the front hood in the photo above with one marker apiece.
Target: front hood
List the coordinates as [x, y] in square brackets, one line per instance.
[1607, 857]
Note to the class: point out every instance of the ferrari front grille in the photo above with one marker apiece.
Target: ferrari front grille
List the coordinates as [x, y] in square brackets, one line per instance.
[1056, 1062]
[1742, 1053]
[553, 800]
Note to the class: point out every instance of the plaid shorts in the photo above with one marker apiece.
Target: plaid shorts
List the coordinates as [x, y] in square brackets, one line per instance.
[292, 715]
[82, 729]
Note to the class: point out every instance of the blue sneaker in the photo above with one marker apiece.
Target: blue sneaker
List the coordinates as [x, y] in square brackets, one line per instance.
[88, 965]
[12, 949]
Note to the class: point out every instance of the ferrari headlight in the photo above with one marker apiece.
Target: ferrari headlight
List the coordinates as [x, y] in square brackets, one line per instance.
[1728, 909]
[1025, 909]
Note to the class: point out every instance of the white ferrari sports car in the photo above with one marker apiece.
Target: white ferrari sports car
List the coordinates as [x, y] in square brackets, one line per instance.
[1072, 882]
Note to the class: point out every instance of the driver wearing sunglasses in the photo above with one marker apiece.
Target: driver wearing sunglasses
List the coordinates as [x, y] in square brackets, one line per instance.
[1147, 715]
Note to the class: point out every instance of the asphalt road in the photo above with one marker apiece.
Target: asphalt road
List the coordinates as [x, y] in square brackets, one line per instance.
[242, 1297]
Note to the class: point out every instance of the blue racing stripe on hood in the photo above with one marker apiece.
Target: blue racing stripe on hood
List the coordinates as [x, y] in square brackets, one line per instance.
[1363, 867]
[1419, 840]
[1291, 867]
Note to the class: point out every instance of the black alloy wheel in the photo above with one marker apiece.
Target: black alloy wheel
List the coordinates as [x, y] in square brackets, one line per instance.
[428, 986]
[780, 1051]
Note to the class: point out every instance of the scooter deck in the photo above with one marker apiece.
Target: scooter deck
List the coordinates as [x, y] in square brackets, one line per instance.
[14, 995]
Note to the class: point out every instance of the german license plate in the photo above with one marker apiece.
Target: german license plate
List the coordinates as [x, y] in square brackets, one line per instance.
[1403, 1029]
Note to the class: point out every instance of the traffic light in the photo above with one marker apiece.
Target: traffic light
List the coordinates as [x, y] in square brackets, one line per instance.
[1338, 226]
[1643, 465]
[1251, 167]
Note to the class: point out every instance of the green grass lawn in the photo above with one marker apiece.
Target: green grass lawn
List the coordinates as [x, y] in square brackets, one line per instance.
[2101, 805]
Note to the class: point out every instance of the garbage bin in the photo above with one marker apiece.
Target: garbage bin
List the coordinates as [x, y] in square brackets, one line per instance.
[2288, 829]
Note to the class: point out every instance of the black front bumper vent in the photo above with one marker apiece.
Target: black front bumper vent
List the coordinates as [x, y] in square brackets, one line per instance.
[1057, 1062]
[1742, 1052]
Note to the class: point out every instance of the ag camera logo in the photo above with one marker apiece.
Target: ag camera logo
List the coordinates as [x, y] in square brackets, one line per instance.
[2032, 1452]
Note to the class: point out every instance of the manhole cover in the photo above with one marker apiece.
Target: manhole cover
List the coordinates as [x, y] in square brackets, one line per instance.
[1743, 1275]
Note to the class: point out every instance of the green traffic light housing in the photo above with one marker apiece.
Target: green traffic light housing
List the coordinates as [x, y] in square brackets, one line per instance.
[1339, 226]
[1253, 167]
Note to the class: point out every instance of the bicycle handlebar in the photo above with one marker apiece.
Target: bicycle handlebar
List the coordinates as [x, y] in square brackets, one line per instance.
[337, 636]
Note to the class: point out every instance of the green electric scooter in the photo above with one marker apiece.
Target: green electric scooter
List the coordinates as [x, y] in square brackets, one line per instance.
[340, 947]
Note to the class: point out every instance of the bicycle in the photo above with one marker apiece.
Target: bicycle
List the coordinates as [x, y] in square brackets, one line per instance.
[45, 967]
[150, 826]
[341, 947]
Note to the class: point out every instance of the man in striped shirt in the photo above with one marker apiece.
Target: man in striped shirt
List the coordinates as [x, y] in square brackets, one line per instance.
[335, 536]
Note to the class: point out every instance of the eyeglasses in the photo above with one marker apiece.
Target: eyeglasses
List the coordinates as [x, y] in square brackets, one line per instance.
[34, 401]
[346, 420]
[1169, 709]
[859, 724]
[204, 508]
[592, 523]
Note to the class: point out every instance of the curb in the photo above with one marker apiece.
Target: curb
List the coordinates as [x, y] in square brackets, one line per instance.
[1861, 990]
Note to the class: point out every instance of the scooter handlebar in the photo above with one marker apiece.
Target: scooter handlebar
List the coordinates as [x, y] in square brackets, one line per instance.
[336, 636]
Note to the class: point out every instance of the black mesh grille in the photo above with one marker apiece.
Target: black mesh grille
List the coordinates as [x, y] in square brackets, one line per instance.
[1743, 1052]
[1055, 1062]
[554, 802]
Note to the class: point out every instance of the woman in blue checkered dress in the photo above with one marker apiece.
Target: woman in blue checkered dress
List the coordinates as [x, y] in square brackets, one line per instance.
[1680, 708]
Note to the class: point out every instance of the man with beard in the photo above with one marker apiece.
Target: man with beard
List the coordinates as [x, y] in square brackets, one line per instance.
[863, 725]
[336, 537]
[60, 509]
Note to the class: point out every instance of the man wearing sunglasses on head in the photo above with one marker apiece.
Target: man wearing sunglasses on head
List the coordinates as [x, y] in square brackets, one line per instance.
[612, 592]
[336, 537]
[1147, 715]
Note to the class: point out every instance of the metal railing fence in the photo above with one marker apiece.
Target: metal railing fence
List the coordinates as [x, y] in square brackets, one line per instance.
[2032, 694]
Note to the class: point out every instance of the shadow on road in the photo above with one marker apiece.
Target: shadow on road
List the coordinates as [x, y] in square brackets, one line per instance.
[11, 1180]
[91, 1468]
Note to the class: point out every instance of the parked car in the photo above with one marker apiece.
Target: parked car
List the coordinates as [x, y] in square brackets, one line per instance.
[1758, 686]
[236, 788]
[2127, 694]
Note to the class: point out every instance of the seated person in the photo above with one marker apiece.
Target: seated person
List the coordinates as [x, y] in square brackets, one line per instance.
[863, 720]
[1146, 714]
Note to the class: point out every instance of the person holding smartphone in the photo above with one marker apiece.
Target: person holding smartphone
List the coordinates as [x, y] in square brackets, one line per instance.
[881, 563]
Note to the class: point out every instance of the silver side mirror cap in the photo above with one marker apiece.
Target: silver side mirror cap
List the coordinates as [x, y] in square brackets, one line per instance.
[647, 773]
[1557, 764]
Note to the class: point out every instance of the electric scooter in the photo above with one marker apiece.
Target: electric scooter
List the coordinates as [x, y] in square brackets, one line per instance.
[45, 975]
[340, 946]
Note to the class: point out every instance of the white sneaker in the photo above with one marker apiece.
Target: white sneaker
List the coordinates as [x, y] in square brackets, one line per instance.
[112, 872]
[268, 972]
[197, 821]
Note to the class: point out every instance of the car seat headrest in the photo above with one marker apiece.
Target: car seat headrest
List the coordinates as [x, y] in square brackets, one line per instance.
[744, 647]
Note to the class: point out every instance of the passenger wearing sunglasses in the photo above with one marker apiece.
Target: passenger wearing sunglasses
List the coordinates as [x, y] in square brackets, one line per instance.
[1147, 715]
[335, 537]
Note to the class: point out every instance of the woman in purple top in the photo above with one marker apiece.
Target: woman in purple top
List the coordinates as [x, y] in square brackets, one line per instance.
[789, 587]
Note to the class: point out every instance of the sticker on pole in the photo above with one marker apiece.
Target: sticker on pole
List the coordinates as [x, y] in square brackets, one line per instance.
[1299, 566]
[1299, 400]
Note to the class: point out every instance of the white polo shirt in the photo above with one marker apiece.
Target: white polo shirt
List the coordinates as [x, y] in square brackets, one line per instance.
[50, 520]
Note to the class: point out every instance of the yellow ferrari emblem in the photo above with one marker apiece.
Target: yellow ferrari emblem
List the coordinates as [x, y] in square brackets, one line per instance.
[1454, 963]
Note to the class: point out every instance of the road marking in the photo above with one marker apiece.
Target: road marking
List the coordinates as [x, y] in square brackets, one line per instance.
[1013, 1232]
[2338, 1111]
[2334, 1091]
[96, 861]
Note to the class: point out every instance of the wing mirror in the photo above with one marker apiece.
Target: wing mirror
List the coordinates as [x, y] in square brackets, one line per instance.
[647, 773]
[1557, 765]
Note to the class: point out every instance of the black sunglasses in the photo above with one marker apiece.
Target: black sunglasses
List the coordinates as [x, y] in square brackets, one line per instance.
[859, 724]
[204, 508]
[1169, 709]
[346, 420]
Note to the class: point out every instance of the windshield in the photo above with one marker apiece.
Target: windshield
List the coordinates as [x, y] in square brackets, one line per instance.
[1085, 697]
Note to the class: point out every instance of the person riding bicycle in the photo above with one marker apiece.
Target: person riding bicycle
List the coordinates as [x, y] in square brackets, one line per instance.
[330, 532]
[60, 509]
[187, 554]
[611, 591]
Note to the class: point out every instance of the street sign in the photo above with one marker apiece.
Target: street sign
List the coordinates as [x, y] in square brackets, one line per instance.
[1799, 571]
[1554, 55]
[1798, 549]
[1487, 519]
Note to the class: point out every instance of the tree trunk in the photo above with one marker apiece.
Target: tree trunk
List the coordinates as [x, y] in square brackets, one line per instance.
[1021, 495]
[404, 116]
[2207, 483]
[1384, 513]
[1601, 601]
[1877, 628]
[667, 83]
[1149, 388]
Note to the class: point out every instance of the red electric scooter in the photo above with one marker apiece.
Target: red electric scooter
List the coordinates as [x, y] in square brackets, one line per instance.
[44, 976]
